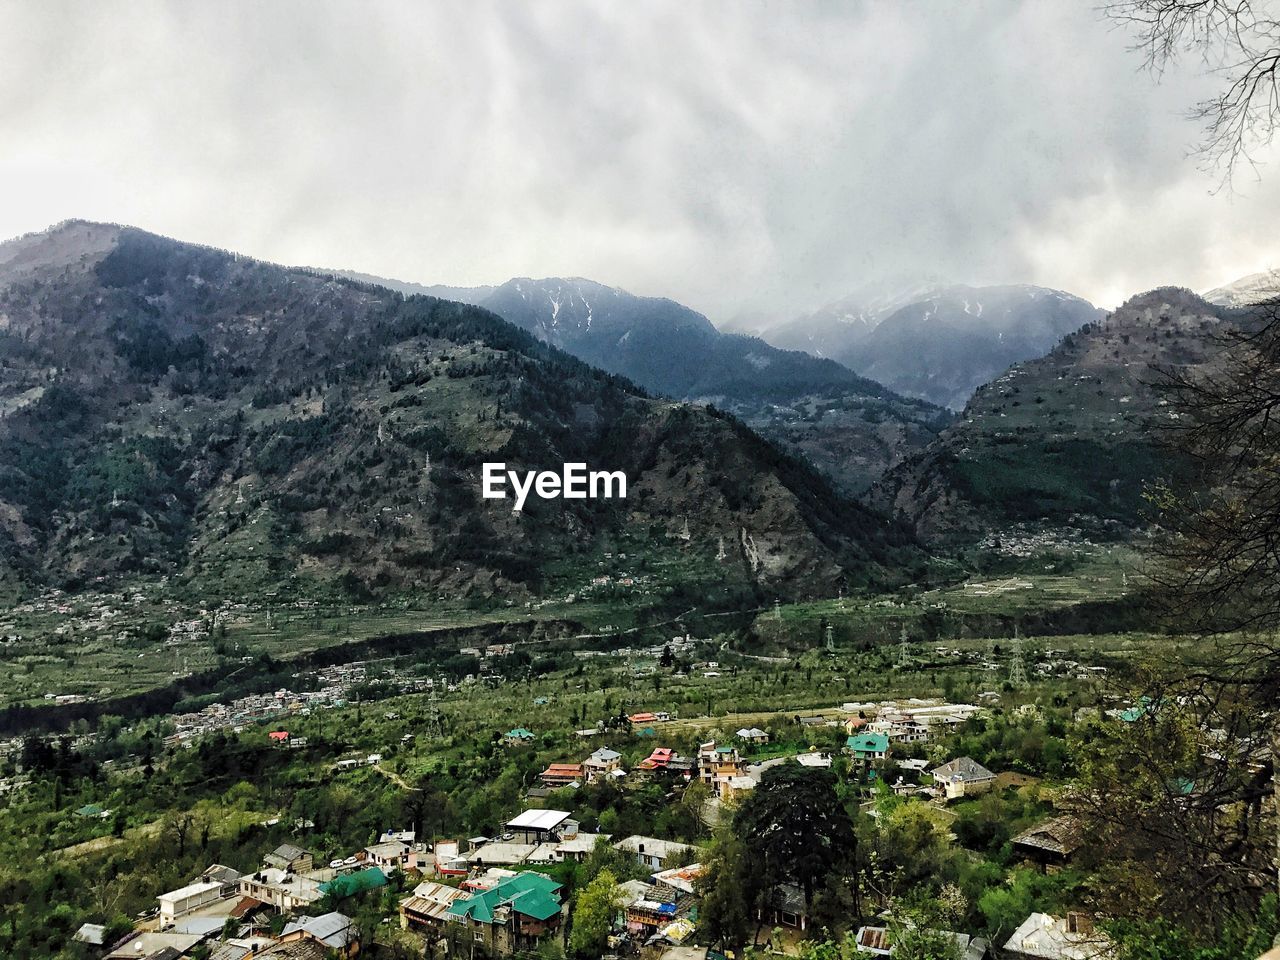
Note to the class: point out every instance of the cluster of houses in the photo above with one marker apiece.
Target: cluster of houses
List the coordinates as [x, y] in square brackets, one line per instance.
[480, 897]
[335, 684]
[194, 919]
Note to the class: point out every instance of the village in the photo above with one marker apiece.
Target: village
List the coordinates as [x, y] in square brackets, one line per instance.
[476, 796]
[505, 893]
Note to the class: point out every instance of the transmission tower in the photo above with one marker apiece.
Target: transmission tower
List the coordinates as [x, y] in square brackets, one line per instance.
[433, 721]
[831, 642]
[904, 658]
[1017, 666]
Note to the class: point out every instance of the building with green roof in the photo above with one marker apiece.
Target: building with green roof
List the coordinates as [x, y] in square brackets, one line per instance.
[868, 746]
[519, 735]
[517, 913]
[349, 884]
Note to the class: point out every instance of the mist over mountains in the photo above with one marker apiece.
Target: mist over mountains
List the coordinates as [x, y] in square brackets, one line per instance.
[937, 342]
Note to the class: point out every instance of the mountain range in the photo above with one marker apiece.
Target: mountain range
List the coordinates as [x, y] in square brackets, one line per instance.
[174, 410]
[936, 342]
[851, 428]
[171, 410]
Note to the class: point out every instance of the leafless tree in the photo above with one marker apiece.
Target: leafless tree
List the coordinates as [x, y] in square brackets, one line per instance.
[1220, 568]
[1218, 561]
[1240, 41]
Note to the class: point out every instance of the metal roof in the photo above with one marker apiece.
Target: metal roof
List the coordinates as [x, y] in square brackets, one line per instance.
[539, 819]
[963, 768]
[334, 930]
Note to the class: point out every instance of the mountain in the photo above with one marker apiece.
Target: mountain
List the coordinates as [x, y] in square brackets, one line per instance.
[833, 329]
[1068, 438]
[1255, 288]
[940, 344]
[179, 411]
[851, 428]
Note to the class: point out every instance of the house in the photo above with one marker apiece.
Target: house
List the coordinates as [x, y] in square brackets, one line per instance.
[653, 853]
[657, 761]
[878, 942]
[786, 908]
[601, 763]
[753, 735]
[963, 777]
[648, 719]
[562, 774]
[148, 944]
[678, 881]
[663, 762]
[579, 847]
[1051, 843]
[854, 724]
[92, 811]
[349, 884]
[734, 788]
[813, 759]
[278, 736]
[1045, 937]
[518, 737]
[542, 826]
[1145, 707]
[909, 730]
[91, 933]
[288, 856]
[868, 747]
[180, 902]
[449, 859]
[389, 855]
[516, 914]
[502, 853]
[427, 906]
[282, 889]
[717, 765]
[335, 932]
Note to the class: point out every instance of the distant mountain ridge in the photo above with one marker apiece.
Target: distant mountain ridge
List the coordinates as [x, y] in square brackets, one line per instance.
[851, 428]
[938, 343]
[832, 329]
[1254, 288]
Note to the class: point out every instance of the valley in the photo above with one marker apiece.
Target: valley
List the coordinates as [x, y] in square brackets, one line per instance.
[261, 609]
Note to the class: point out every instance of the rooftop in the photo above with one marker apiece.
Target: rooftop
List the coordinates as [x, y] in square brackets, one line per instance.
[334, 930]
[539, 819]
[1054, 938]
[963, 768]
[191, 890]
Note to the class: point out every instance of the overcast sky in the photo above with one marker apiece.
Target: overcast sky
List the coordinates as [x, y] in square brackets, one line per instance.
[738, 156]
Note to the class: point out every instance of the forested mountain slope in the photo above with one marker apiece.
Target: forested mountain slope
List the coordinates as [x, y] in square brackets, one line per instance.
[1072, 437]
[175, 410]
[849, 427]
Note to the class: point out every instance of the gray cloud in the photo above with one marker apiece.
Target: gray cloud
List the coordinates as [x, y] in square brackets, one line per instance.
[739, 156]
